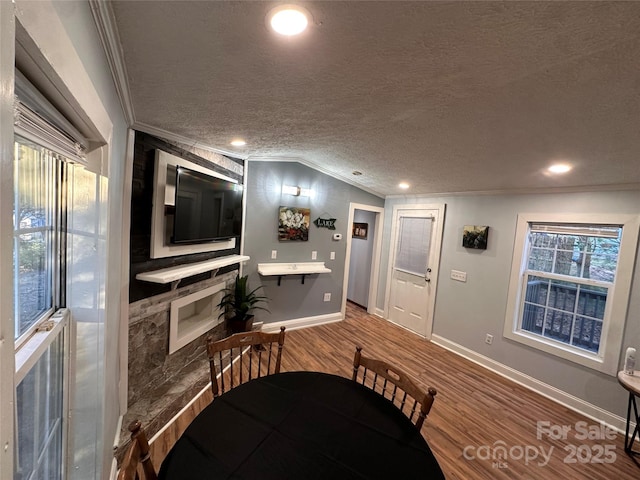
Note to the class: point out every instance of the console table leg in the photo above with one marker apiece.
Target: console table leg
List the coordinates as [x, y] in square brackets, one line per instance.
[626, 432]
[628, 441]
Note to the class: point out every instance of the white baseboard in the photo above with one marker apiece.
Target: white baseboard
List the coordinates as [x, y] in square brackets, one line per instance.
[379, 312]
[304, 322]
[182, 410]
[116, 441]
[114, 469]
[576, 404]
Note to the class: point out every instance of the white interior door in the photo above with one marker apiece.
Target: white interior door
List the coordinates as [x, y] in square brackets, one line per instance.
[417, 233]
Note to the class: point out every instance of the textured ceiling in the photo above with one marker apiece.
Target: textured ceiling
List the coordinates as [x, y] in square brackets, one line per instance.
[448, 96]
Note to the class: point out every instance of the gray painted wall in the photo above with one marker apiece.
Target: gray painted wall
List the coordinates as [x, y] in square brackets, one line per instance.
[465, 312]
[331, 199]
[360, 263]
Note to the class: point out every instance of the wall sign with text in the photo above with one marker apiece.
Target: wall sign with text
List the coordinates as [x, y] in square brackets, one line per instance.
[329, 223]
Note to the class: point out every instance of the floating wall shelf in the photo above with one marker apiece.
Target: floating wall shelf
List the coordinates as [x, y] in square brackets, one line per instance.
[300, 268]
[175, 274]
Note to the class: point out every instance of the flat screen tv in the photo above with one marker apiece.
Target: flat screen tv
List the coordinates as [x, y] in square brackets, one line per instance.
[207, 208]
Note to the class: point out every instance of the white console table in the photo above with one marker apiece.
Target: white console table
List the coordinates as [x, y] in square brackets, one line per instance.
[299, 268]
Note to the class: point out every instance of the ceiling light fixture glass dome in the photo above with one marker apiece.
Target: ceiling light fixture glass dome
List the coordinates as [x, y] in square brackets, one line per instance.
[288, 20]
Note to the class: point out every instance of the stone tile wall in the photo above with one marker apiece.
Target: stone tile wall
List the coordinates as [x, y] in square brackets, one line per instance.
[160, 385]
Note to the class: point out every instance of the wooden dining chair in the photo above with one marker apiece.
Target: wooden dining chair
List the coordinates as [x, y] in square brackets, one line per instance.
[395, 385]
[243, 356]
[137, 454]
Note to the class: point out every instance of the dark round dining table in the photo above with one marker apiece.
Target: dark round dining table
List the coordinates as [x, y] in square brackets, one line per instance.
[302, 426]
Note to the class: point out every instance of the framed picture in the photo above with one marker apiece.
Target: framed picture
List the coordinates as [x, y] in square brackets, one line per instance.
[293, 224]
[475, 236]
[360, 230]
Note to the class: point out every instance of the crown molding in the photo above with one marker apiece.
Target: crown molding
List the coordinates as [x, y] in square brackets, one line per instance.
[624, 187]
[104, 19]
[159, 132]
[319, 169]
[174, 137]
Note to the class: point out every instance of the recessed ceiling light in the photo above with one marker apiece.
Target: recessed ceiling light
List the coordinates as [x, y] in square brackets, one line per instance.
[238, 142]
[559, 168]
[288, 19]
[403, 185]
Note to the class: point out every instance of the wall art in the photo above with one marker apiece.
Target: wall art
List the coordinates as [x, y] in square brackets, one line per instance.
[293, 224]
[475, 236]
[360, 230]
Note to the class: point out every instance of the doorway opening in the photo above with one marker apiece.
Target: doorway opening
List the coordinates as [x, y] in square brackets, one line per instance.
[362, 262]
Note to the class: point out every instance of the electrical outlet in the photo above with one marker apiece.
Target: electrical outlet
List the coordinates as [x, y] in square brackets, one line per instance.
[459, 276]
[327, 297]
[488, 339]
[332, 256]
[314, 255]
[274, 254]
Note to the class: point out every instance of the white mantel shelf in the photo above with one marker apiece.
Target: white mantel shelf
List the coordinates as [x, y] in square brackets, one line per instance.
[173, 274]
[299, 268]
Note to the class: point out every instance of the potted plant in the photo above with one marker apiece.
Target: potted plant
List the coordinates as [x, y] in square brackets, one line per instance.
[238, 302]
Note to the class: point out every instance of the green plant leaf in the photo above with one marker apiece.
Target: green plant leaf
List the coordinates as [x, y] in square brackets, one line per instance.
[238, 301]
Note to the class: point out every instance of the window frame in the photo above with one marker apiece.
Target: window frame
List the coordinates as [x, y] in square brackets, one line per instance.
[54, 322]
[607, 359]
[34, 344]
[55, 232]
[414, 258]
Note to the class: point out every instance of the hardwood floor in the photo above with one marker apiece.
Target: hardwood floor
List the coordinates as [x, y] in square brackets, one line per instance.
[477, 414]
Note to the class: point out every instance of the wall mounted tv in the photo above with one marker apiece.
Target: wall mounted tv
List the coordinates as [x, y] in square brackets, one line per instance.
[207, 209]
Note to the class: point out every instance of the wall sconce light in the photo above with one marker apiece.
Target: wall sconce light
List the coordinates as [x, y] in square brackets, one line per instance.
[296, 191]
[289, 190]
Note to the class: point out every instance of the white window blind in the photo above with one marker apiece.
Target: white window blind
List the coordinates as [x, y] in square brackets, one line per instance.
[604, 231]
[414, 243]
[36, 119]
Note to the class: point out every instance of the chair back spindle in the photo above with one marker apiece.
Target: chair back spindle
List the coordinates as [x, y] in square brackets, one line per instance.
[137, 454]
[395, 385]
[242, 357]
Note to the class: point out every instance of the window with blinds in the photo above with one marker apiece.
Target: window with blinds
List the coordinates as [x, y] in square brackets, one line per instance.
[567, 283]
[47, 150]
[570, 272]
[414, 243]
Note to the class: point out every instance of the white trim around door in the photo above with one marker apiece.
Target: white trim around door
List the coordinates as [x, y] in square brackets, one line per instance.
[375, 261]
[438, 212]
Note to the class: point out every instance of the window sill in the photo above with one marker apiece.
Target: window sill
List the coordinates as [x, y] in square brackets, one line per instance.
[561, 350]
[31, 350]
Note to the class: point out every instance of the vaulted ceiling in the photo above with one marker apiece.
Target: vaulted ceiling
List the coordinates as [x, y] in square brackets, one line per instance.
[447, 96]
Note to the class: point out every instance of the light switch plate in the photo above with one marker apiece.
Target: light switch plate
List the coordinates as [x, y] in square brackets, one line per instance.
[314, 255]
[332, 256]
